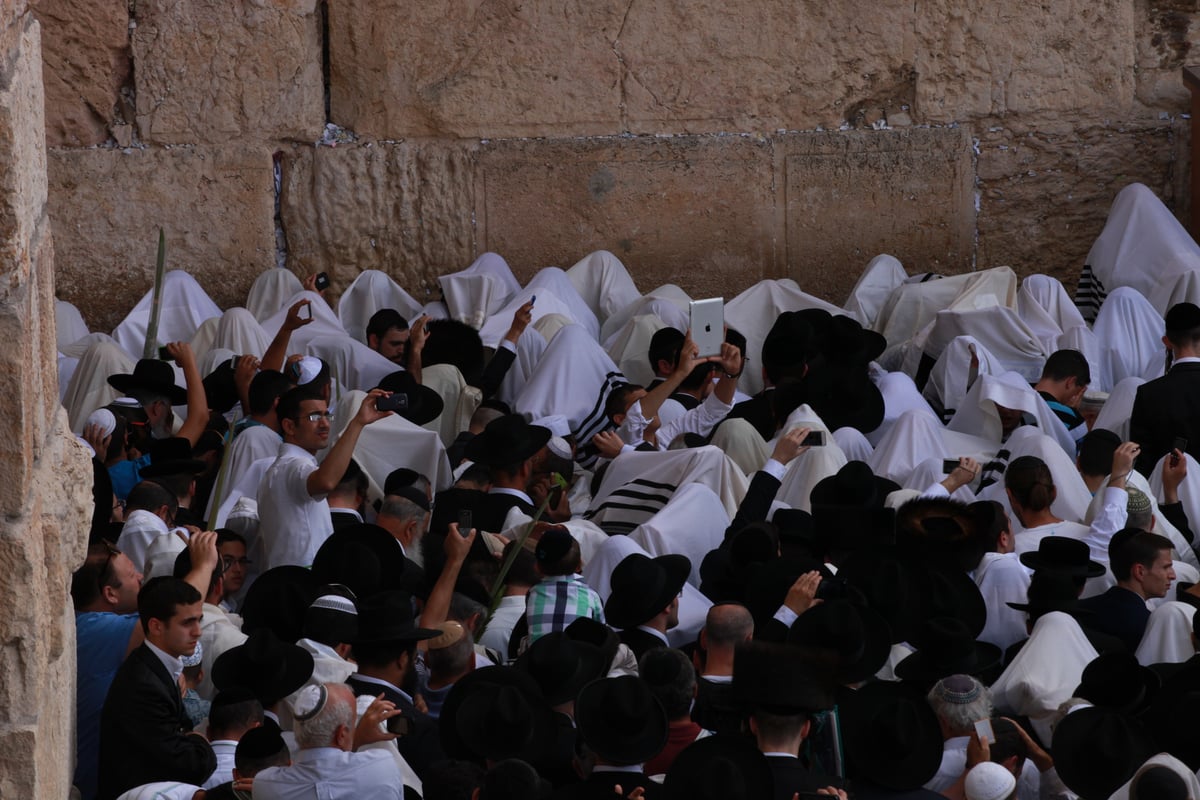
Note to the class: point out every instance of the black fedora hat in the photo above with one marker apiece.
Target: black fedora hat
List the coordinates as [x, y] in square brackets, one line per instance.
[496, 713]
[859, 636]
[1063, 554]
[621, 720]
[172, 456]
[151, 375]
[389, 617]
[782, 679]
[424, 404]
[949, 593]
[562, 666]
[278, 600]
[1051, 591]
[220, 388]
[720, 767]
[506, 440]
[1096, 750]
[848, 342]
[946, 646]
[266, 666]
[892, 736]
[890, 590]
[766, 585]
[343, 558]
[1119, 682]
[852, 485]
[644, 586]
[597, 634]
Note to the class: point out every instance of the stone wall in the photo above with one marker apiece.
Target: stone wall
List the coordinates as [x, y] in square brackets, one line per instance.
[45, 479]
[705, 143]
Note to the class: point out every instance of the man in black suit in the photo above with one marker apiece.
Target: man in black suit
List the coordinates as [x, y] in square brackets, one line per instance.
[509, 446]
[1141, 563]
[1169, 407]
[644, 601]
[145, 734]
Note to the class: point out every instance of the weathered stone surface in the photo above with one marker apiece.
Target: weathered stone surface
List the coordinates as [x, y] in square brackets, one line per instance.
[86, 61]
[401, 208]
[215, 203]
[696, 211]
[211, 70]
[851, 196]
[1167, 32]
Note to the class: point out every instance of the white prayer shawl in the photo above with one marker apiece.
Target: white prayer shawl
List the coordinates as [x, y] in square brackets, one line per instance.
[1084, 340]
[810, 467]
[978, 414]
[435, 309]
[548, 325]
[239, 511]
[140, 529]
[256, 443]
[1072, 496]
[572, 379]
[220, 630]
[239, 331]
[947, 385]
[370, 291]
[929, 472]
[753, 312]
[899, 395]
[1143, 246]
[164, 548]
[69, 324]
[479, 290]
[68, 359]
[604, 283]
[917, 436]
[352, 364]
[1114, 415]
[184, 307]
[497, 325]
[1002, 579]
[1130, 332]
[324, 321]
[202, 342]
[999, 329]
[882, 276]
[1184, 556]
[554, 281]
[459, 401]
[854, 445]
[390, 443]
[1044, 674]
[269, 293]
[913, 306]
[89, 389]
[739, 440]
[668, 302]
[638, 484]
[692, 523]
[1189, 491]
[531, 346]
[1168, 636]
[693, 606]
[630, 347]
[1046, 308]
[1162, 760]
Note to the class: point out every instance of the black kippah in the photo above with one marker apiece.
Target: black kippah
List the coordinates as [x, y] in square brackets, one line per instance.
[259, 743]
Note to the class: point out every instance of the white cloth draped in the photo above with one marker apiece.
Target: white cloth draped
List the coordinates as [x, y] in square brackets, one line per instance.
[630, 347]
[235, 330]
[459, 401]
[497, 325]
[370, 291]
[89, 389]
[692, 523]
[531, 346]
[183, 309]
[324, 321]
[882, 276]
[1002, 579]
[810, 467]
[665, 471]
[1114, 416]
[917, 436]
[554, 281]
[352, 363]
[270, 292]
[947, 386]
[900, 395]
[1047, 309]
[1162, 760]
[480, 290]
[69, 324]
[604, 283]
[913, 306]
[1129, 331]
[978, 414]
[1168, 636]
[667, 302]
[999, 329]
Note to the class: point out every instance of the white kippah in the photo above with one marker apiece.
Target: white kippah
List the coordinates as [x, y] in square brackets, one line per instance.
[126, 402]
[195, 658]
[335, 602]
[559, 447]
[556, 423]
[104, 418]
[989, 781]
[309, 702]
[307, 369]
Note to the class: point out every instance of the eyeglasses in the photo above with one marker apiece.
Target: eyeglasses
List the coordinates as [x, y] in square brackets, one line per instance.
[316, 416]
[229, 561]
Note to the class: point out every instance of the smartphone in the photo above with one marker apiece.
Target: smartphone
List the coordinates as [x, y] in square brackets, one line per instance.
[949, 465]
[399, 725]
[707, 320]
[983, 728]
[1180, 445]
[532, 299]
[322, 282]
[305, 311]
[814, 439]
[464, 522]
[164, 355]
[396, 401]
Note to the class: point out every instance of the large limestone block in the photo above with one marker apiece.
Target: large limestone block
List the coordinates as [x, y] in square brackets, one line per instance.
[22, 148]
[695, 211]
[211, 70]
[1166, 36]
[85, 47]
[401, 208]
[504, 68]
[1045, 192]
[216, 205]
[853, 195]
[979, 57]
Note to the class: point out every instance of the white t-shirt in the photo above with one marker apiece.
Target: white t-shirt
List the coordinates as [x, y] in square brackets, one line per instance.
[292, 523]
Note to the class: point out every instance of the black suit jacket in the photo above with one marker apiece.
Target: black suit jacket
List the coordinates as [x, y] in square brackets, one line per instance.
[758, 412]
[422, 746]
[639, 641]
[602, 785]
[1163, 409]
[792, 776]
[1120, 613]
[144, 731]
[343, 519]
[493, 508]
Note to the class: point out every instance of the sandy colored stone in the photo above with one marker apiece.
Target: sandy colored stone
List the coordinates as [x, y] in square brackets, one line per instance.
[851, 196]
[211, 70]
[1167, 34]
[22, 147]
[401, 208]
[215, 203]
[85, 47]
[695, 211]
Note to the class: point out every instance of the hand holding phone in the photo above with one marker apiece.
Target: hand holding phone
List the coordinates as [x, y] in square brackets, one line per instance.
[983, 729]
[464, 522]
[396, 401]
[322, 282]
[1180, 444]
[949, 465]
[814, 439]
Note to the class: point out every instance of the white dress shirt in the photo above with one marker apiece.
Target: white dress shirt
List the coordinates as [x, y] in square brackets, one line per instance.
[327, 773]
[224, 749]
[292, 523]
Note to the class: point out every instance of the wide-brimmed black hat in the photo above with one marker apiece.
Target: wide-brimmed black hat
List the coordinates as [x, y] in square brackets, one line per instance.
[496, 713]
[562, 666]
[621, 720]
[151, 375]
[220, 388]
[278, 599]
[1051, 591]
[890, 589]
[859, 636]
[848, 342]
[891, 736]
[1172, 720]
[949, 593]
[366, 558]
[424, 404]
[644, 586]
[597, 634]
[782, 679]
[172, 456]
[946, 646]
[1119, 682]
[852, 485]
[1063, 554]
[266, 666]
[506, 440]
[766, 585]
[720, 767]
[389, 617]
[1096, 750]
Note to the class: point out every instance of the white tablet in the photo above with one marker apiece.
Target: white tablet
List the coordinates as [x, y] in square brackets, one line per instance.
[708, 325]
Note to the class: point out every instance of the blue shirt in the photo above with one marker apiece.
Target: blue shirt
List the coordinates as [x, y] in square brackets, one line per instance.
[101, 639]
[127, 474]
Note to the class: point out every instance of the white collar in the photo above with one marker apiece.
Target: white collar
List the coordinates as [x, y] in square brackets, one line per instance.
[656, 632]
[383, 683]
[173, 665]
[514, 492]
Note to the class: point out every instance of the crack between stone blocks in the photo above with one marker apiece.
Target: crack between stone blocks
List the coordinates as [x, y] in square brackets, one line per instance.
[623, 69]
[281, 245]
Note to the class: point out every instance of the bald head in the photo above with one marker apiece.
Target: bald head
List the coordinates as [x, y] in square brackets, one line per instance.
[728, 625]
[332, 719]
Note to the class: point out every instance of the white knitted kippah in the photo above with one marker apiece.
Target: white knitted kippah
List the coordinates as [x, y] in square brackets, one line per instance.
[335, 602]
[989, 781]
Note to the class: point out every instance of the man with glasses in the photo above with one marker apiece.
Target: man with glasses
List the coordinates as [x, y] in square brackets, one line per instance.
[293, 512]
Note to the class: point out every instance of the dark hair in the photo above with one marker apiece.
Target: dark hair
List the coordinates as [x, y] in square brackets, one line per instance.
[255, 741]
[512, 779]
[989, 521]
[183, 565]
[1030, 481]
[384, 320]
[789, 394]
[450, 779]
[353, 480]
[476, 473]
[1130, 546]
[150, 496]
[570, 562]
[522, 571]
[178, 484]
[232, 712]
[292, 399]
[700, 373]
[775, 726]
[665, 345]
[456, 343]
[1063, 364]
[89, 580]
[737, 339]
[265, 388]
[1008, 743]
[160, 596]
[617, 401]
[226, 535]
[1096, 450]
[671, 678]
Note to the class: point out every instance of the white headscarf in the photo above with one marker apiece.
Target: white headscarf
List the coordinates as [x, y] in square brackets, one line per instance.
[270, 292]
[603, 283]
[1162, 760]
[1045, 307]
[371, 291]
[979, 416]
[184, 307]
[1168, 636]
[1114, 416]
[479, 290]
[882, 276]
[668, 302]
[89, 389]
[1130, 332]
[69, 324]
